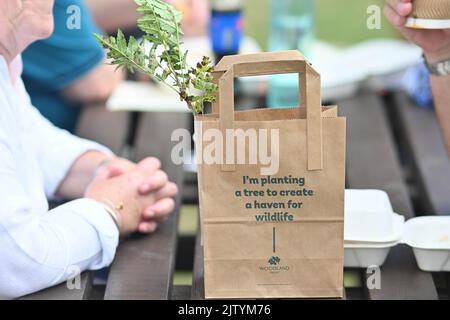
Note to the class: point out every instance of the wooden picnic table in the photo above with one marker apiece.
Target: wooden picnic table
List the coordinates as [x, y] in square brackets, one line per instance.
[391, 145]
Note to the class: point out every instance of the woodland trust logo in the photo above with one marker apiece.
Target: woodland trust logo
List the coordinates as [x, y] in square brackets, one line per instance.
[274, 260]
[274, 265]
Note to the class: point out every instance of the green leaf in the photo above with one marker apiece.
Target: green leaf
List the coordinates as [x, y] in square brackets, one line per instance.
[161, 24]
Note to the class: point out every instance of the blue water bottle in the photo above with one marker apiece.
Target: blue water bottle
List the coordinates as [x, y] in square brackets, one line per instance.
[226, 29]
[291, 28]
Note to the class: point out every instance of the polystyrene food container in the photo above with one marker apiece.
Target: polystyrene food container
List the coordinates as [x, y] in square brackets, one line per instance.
[430, 239]
[396, 224]
[369, 217]
[364, 257]
[371, 228]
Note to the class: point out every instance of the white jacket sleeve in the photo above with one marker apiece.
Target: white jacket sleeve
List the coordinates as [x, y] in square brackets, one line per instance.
[57, 149]
[38, 248]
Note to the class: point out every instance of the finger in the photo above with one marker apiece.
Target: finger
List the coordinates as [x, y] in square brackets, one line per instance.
[398, 21]
[402, 7]
[170, 190]
[160, 210]
[149, 165]
[104, 173]
[395, 2]
[115, 171]
[101, 174]
[147, 226]
[154, 182]
[394, 18]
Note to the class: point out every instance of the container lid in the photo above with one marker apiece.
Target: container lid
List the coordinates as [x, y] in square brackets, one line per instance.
[369, 217]
[399, 222]
[371, 245]
[226, 5]
[428, 232]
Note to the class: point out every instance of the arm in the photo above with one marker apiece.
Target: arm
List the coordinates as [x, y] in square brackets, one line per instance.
[440, 87]
[81, 174]
[96, 86]
[37, 252]
[99, 82]
[37, 247]
[71, 62]
[436, 47]
[113, 14]
[68, 163]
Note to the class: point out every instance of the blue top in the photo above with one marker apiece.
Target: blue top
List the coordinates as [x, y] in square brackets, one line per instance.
[52, 64]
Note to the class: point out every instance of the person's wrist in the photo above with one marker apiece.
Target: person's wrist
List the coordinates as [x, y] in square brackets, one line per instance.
[103, 163]
[437, 56]
[114, 211]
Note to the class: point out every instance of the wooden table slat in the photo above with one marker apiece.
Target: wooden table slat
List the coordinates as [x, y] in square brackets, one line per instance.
[182, 292]
[423, 136]
[372, 163]
[421, 132]
[144, 266]
[198, 285]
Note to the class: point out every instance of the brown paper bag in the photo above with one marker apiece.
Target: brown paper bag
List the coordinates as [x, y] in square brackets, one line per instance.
[271, 231]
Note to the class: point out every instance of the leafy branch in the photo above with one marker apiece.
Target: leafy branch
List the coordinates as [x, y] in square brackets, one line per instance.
[163, 59]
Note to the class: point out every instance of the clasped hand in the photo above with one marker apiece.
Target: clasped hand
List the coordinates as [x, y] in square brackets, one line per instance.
[143, 191]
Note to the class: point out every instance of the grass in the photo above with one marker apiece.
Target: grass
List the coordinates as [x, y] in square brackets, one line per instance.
[341, 22]
[182, 278]
[188, 225]
[188, 220]
[352, 279]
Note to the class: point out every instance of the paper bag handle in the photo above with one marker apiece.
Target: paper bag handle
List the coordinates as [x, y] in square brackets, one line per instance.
[309, 91]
